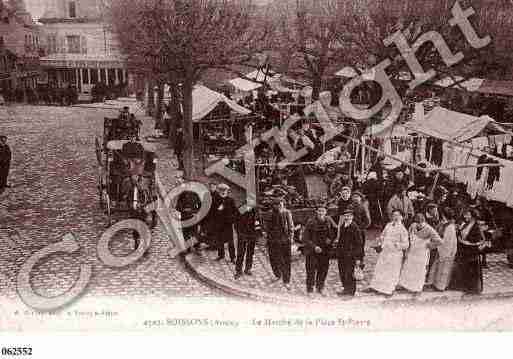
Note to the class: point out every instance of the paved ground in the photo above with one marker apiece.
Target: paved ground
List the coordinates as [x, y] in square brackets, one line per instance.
[498, 277]
[54, 177]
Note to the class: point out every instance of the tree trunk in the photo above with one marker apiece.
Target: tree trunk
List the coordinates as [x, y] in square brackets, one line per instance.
[316, 88]
[175, 115]
[151, 96]
[158, 110]
[188, 131]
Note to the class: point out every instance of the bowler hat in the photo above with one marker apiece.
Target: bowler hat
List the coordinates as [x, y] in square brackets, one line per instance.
[348, 210]
[278, 200]
[358, 193]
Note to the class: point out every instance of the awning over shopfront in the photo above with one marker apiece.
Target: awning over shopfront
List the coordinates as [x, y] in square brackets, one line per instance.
[204, 101]
[71, 61]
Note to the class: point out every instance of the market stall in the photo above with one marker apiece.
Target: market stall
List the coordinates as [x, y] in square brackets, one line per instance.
[303, 185]
[218, 123]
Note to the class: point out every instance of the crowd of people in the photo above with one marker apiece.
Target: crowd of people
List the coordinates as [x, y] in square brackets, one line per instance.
[437, 244]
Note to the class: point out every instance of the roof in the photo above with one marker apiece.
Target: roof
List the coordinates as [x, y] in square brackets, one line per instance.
[82, 60]
[450, 125]
[204, 101]
[472, 84]
[257, 75]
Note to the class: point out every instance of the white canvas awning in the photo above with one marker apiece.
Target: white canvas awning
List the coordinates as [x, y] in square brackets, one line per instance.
[258, 76]
[204, 100]
[451, 125]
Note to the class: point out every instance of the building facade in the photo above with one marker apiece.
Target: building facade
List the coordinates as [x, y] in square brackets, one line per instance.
[81, 50]
[20, 47]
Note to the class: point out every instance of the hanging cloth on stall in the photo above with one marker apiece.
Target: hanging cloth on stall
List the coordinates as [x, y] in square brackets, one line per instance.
[437, 152]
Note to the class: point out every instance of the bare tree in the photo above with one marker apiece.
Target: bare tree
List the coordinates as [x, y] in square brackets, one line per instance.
[181, 39]
[309, 37]
[414, 18]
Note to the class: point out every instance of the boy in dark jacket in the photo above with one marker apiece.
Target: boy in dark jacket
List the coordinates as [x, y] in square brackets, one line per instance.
[279, 233]
[248, 229]
[320, 232]
[350, 251]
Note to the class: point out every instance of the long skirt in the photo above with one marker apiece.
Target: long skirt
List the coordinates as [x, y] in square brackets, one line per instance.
[441, 272]
[468, 274]
[387, 271]
[413, 274]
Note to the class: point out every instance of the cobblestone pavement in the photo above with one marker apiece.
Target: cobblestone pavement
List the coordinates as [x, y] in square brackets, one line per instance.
[54, 192]
[498, 277]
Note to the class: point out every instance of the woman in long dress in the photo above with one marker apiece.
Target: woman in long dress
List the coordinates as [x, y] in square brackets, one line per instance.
[423, 238]
[468, 275]
[393, 241]
[442, 268]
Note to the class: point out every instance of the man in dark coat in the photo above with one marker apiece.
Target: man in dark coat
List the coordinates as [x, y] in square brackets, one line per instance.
[5, 162]
[373, 190]
[320, 232]
[188, 204]
[350, 252]
[207, 223]
[248, 227]
[279, 233]
[224, 216]
[360, 213]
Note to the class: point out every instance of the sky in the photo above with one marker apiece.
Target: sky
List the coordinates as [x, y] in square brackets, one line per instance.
[36, 8]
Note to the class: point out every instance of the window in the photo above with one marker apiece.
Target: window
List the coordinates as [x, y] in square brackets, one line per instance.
[102, 76]
[73, 44]
[72, 9]
[52, 44]
[120, 76]
[94, 76]
[85, 76]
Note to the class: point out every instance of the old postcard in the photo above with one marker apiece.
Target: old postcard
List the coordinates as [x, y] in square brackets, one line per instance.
[219, 166]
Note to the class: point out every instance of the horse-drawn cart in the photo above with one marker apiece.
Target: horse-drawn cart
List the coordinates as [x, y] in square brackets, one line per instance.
[126, 178]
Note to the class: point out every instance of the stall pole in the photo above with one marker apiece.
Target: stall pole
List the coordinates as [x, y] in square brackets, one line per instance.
[432, 191]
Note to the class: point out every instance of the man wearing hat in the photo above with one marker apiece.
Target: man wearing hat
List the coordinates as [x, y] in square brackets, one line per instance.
[432, 215]
[224, 217]
[320, 233]
[400, 201]
[361, 214]
[344, 201]
[5, 162]
[341, 180]
[350, 251]
[280, 233]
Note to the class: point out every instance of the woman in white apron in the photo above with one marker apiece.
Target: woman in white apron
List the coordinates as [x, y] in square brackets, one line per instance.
[441, 270]
[423, 238]
[393, 241]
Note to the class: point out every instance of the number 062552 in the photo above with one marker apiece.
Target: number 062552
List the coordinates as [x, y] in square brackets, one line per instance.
[16, 351]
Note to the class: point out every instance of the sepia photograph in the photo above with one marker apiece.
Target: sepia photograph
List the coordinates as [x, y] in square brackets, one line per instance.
[258, 166]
